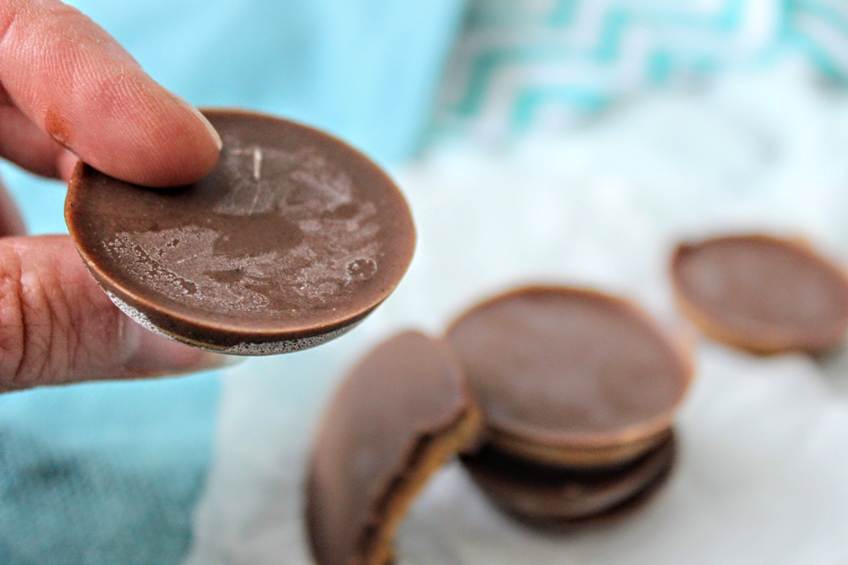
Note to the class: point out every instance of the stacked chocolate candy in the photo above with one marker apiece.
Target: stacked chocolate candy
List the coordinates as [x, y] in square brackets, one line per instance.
[578, 390]
[561, 399]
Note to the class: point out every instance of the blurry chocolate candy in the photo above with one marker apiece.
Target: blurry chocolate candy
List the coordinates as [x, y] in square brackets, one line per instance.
[549, 495]
[394, 420]
[762, 293]
[569, 376]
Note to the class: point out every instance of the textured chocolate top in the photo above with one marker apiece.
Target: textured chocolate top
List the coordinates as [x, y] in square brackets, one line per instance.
[545, 492]
[293, 231]
[407, 392]
[562, 366]
[767, 291]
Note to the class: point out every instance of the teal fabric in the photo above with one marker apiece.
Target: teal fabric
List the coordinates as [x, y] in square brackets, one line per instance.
[109, 473]
[103, 473]
[526, 66]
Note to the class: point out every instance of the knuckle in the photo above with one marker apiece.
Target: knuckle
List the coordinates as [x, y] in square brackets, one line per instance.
[59, 338]
[92, 330]
[39, 333]
[12, 333]
[39, 341]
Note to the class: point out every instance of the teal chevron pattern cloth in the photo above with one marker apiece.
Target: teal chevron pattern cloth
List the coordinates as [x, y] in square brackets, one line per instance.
[554, 63]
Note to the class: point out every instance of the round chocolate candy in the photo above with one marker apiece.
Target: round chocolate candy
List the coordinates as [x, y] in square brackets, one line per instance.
[570, 376]
[762, 293]
[290, 241]
[396, 418]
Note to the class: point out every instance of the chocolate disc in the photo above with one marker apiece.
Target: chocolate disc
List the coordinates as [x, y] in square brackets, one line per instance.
[395, 419]
[570, 376]
[762, 293]
[291, 240]
[553, 494]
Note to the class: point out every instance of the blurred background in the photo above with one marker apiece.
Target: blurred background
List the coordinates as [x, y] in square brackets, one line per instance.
[556, 140]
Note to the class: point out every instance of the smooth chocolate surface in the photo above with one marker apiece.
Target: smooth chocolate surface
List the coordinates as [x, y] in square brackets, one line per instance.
[567, 367]
[547, 493]
[394, 420]
[762, 293]
[294, 236]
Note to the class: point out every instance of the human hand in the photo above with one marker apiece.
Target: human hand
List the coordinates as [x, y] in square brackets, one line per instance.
[68, 90]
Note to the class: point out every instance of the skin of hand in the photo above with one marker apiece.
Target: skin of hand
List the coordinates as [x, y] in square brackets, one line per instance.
[68, 91]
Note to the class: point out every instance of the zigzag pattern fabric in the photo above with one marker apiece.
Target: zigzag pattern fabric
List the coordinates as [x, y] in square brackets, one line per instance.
[522, 65]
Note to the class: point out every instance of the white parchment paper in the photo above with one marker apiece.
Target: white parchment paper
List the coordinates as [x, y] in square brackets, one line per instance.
[762, 474]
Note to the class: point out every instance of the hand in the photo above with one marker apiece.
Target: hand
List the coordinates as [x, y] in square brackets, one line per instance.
[67, 89]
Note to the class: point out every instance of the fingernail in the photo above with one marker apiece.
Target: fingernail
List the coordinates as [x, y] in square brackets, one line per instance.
[65, 164]
[209, 127]
[203, 120]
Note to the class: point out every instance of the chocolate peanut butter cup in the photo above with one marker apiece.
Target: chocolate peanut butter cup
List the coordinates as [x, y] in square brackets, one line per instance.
[291, 240]
[570, 376]
[397, 417]
[554, 495]
[762, 293]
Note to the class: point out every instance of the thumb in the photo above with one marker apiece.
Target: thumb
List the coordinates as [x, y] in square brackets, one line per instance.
[57, 326]
[72, 80]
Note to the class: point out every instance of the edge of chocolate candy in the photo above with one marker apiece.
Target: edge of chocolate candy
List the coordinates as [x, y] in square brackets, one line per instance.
[395, 419]
[579, 457]
[767, 341]
[547, 495]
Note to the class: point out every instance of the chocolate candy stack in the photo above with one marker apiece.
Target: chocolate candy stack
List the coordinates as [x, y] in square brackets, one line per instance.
[562, 400]
[579, 390]
[559, 401]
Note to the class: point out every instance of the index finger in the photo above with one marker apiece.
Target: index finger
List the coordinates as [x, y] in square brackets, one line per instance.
[76, 83]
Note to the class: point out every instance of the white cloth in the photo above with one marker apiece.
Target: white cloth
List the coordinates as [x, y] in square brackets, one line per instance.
[762, 474]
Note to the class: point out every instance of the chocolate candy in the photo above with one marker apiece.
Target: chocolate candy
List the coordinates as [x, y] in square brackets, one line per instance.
[551, 495]
[394, 420]
[570, 376]
[292, 240]
[762, 293]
